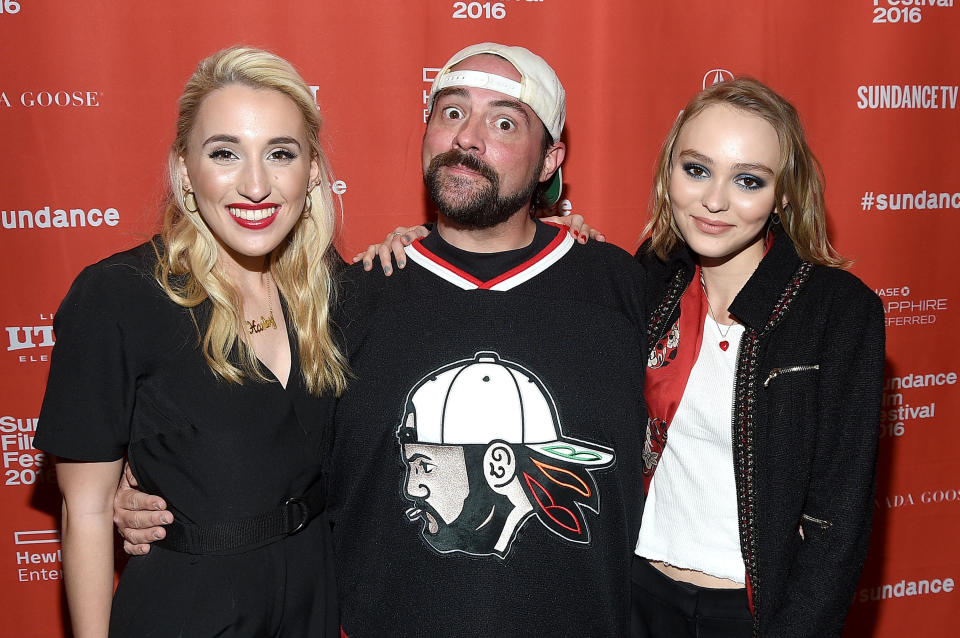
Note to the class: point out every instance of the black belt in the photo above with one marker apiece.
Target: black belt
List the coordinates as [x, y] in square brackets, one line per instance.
[244, 534]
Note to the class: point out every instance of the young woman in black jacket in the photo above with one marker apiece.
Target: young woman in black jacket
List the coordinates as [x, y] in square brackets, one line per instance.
[764, 376]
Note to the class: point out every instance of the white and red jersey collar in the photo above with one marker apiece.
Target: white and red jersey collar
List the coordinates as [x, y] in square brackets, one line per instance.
[551, 254]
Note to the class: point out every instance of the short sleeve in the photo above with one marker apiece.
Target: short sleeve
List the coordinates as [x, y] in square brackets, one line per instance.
[88, 401]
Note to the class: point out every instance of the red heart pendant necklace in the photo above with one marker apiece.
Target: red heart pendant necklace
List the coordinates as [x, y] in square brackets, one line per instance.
[724, 343]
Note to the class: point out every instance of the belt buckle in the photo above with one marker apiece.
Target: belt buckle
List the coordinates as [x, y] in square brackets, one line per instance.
[298, 503]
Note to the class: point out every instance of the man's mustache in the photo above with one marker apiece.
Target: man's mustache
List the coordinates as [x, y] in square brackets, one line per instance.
[424, 511]
[456, 157]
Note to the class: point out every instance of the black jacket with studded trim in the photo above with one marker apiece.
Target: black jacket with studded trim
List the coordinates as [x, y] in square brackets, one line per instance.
[805, 425]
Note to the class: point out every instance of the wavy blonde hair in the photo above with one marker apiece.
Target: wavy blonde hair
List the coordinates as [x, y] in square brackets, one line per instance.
[798, 190]
[188, 267]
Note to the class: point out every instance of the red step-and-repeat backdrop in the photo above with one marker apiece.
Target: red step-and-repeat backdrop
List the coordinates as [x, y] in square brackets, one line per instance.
[87, 106]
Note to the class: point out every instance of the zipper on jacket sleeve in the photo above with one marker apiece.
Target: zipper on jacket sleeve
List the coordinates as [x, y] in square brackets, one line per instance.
[776, 372]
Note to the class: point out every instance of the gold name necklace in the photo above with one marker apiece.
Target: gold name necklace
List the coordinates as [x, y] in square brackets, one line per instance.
[265, 322]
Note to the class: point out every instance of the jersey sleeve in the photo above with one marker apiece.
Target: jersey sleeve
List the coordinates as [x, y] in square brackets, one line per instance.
[89, 397]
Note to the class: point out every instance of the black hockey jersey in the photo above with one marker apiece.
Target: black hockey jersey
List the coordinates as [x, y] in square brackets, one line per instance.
[486, 459]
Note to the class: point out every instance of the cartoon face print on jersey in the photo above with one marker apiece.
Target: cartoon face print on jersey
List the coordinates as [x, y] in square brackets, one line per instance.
[484, 453]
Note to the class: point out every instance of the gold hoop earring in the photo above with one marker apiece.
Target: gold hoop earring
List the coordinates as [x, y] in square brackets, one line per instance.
[186, 202]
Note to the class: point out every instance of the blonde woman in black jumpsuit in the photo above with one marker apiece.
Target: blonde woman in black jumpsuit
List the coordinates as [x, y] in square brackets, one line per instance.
[205, 357]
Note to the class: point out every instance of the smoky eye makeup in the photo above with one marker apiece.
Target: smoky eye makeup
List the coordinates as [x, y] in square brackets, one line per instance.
[694, 170]
[750, 182]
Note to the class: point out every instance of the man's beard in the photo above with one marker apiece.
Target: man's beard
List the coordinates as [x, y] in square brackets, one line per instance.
[471, 532]
[478, 209]
[474, 530]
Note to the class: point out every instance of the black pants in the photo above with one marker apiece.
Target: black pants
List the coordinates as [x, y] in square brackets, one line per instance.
[665, 608]
[283, 590]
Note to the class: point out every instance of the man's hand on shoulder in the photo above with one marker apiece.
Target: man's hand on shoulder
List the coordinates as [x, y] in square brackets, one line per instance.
[393, 244]
[139, 517]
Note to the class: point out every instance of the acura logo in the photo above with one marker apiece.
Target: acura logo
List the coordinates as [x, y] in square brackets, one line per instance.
[713, 76]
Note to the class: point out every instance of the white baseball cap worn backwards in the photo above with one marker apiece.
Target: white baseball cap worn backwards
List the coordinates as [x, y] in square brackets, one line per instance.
[485, 399]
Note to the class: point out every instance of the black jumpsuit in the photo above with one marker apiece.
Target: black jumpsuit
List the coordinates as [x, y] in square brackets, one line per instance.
[127, 376]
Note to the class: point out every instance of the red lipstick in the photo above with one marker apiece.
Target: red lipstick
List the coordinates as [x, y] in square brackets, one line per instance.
[253, 216]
